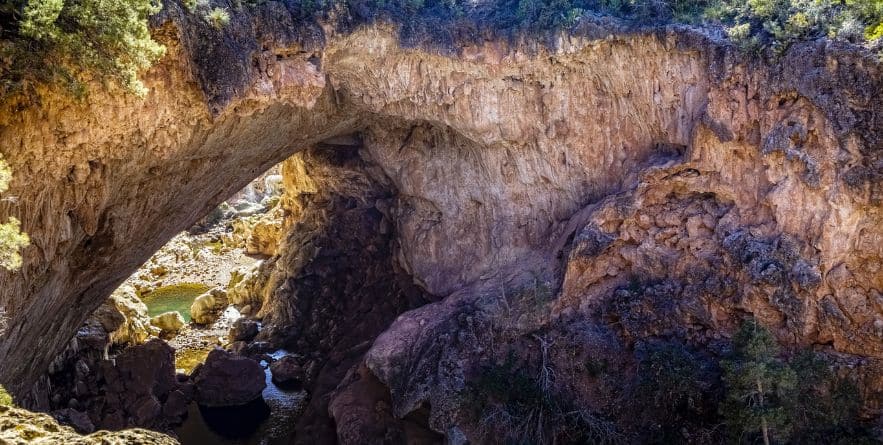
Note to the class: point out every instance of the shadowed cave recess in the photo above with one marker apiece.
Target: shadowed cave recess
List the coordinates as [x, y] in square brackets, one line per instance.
[597, 240]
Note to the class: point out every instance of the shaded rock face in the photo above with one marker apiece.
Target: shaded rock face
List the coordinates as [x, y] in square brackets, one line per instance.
[641, 185]
[228, 380]
[135, 388]
[337, 284]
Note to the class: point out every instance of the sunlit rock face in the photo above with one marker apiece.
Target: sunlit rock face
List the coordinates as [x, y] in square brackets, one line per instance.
[656, 157]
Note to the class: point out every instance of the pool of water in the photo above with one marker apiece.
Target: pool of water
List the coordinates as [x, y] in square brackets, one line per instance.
[267, 422]
[174, 297]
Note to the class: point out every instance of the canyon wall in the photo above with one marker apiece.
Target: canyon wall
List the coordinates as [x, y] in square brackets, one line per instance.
[649, 182]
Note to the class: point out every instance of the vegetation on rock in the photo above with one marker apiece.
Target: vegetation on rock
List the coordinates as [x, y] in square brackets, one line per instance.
[12, 239]
[789, 401]
[73, 42]
[518, 408]
[5, 398]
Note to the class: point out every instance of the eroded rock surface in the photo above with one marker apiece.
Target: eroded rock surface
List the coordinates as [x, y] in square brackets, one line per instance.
[20, 427]
[630, 187]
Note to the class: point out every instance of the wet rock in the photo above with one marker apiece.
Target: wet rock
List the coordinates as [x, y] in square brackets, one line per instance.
[77, 419]
[228, 380]
[169, 322]
[288, 370]
[243, 329]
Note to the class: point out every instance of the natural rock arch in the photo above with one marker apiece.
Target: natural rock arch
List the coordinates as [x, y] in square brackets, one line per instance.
[494, 153]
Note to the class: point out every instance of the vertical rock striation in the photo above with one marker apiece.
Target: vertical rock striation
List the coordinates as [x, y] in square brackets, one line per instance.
[643, 183]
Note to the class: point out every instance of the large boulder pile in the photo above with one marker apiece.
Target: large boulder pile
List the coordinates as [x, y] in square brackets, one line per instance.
[137, 388]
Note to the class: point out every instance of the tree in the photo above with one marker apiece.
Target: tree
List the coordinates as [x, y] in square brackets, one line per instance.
[75, 41]
[12, 239]
[756, 381]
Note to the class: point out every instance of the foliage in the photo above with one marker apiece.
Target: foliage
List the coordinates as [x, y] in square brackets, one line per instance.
[779, 23]
[752, 24]
[5, 398]
[674, 391]
[797, 401]
[12, 239]
[218, 17]
[672, 378]
[517, 408]
[824, 408]
[757, 381]
[74, 41]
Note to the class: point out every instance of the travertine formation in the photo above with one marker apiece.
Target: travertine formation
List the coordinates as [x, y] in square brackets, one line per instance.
[628, 185]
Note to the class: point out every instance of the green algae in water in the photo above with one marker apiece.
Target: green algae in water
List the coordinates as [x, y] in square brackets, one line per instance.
[187, 359]
[174, 297]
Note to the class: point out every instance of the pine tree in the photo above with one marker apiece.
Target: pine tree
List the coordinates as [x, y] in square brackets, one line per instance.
[756, 381]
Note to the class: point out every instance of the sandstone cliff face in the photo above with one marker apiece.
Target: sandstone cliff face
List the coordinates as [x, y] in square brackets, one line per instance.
[653, 157]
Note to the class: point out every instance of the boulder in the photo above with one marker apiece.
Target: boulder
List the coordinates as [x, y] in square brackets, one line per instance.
[243, 329]
[124, 317]
[248, 288]
[207, 307]
[228, 380]
[168, 322]
[288, 370]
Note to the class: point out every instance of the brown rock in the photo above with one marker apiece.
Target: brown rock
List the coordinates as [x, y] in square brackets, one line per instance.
[243, 329]
[288, 370]
[228, 380]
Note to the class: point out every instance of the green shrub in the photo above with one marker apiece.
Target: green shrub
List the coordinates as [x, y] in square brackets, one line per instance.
[12, 239]
[5, 398]
[796, 401]
[756, 381]
[779, 23]
[517, 408]
[77, 40]
[218, 17]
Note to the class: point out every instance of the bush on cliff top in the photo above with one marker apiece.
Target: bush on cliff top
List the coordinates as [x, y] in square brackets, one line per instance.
[753, 23]
[72, 42]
